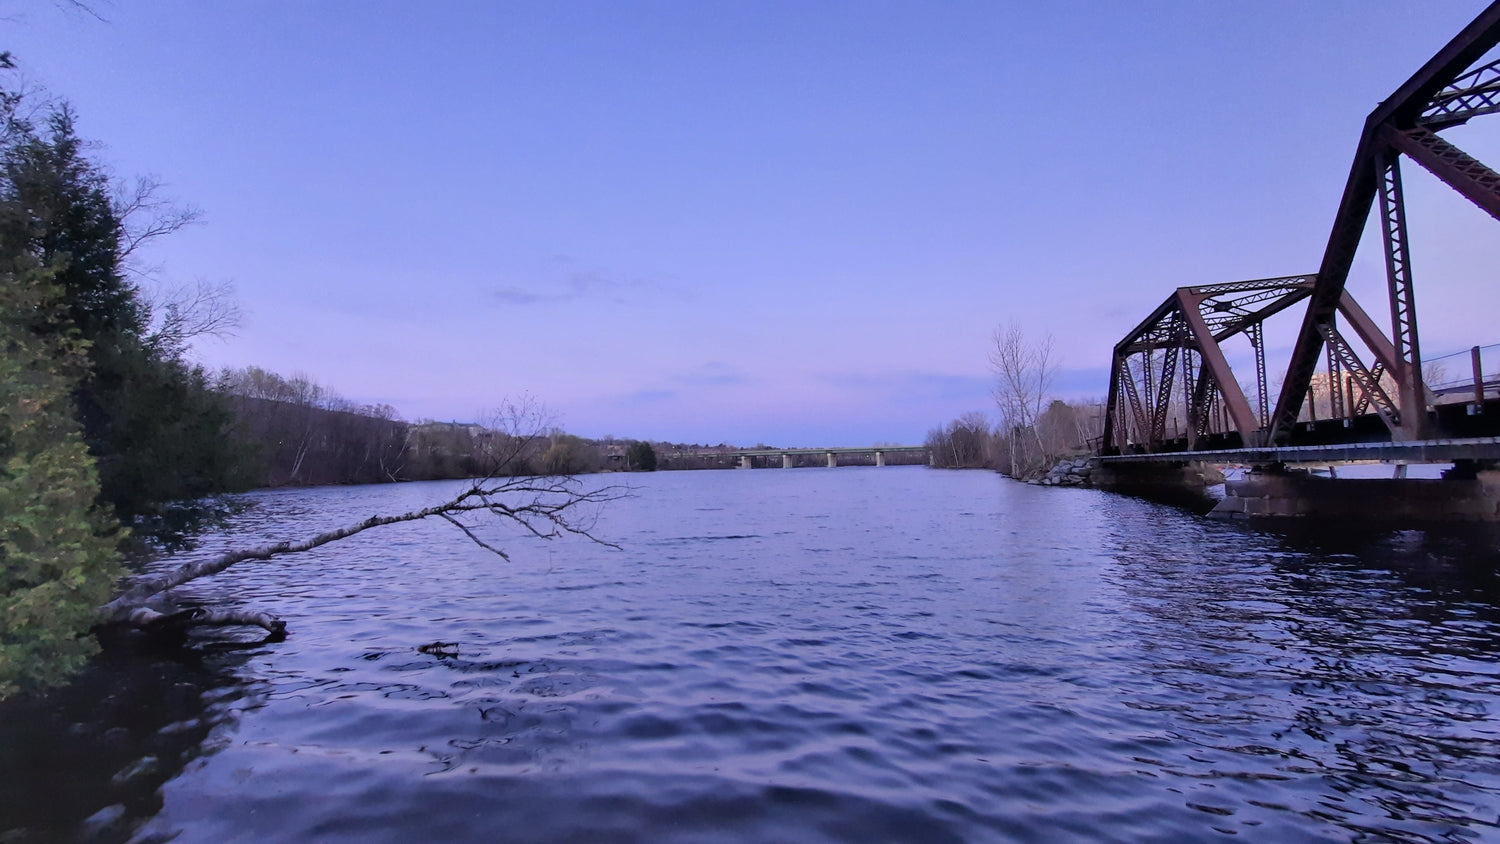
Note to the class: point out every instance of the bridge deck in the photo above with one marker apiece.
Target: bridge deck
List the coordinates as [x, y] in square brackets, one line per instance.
[1423, 451]
[772, 452]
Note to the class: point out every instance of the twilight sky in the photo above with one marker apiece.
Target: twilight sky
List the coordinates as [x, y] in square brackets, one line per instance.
[794, 222]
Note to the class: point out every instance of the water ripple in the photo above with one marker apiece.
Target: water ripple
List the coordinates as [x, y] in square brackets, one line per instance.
[863, 654]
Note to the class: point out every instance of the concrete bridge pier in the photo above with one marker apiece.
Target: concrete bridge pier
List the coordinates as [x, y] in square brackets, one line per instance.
[833, 460]
[1131, 478]
[1469, 492]
[786, 461]
[1182, 483]
[744, 461]
[879, 458]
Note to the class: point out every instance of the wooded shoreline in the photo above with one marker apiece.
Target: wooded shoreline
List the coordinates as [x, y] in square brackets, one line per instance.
[291, 433]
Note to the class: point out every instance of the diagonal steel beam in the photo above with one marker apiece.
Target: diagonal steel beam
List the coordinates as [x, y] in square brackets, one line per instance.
[1444, 68]
[1403, 108]
[1465, 174]
[1142, 429]
[1214, 361]
[1112, 415]
[1376, 341]
[1200, 410]
[1362, 406]
[1335, 384]
[1164, 394]
[1368, 383]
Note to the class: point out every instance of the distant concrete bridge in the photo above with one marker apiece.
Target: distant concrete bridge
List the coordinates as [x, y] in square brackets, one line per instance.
[789, 455]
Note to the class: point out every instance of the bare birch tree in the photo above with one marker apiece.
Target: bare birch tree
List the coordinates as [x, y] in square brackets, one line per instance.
[1025, 371]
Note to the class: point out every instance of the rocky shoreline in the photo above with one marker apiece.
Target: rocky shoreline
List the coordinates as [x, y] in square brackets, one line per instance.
[1067, 472]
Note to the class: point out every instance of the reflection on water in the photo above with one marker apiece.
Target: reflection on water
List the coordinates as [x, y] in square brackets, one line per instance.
[88, 760]
[890, 654]
[1364, 662]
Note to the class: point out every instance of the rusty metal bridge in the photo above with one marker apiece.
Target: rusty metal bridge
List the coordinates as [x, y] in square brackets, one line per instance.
[1172, 394]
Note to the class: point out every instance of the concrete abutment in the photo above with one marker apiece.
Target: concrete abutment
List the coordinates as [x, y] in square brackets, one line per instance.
[1461, 496]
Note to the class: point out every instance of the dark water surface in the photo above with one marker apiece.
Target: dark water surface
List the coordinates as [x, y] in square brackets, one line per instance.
[859, 654]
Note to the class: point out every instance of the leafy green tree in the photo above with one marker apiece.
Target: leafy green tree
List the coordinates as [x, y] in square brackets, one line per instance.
[641, 457]
[57, 558]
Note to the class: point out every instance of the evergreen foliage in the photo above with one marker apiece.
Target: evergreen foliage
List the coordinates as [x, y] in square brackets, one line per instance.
[95, 414]
[149, 418]
[641, 457]
[57, 559]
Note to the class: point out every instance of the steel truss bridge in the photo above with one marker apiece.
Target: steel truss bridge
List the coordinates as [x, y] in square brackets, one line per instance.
[1172, 393]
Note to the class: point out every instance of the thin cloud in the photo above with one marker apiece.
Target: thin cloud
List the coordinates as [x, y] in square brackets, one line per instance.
[517, 296]
[1067, 383]
[712, 374]
[685, 385]
[916, 385]
[579, 286]
[640, 397]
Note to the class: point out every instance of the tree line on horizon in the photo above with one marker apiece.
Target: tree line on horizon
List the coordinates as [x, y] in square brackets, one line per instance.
[296, 432]
[1035, 429]
[971, 441]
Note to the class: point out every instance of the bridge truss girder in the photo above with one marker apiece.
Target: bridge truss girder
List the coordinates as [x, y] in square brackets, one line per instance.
[1445, 92]
[1187, 329]
[1173, 366]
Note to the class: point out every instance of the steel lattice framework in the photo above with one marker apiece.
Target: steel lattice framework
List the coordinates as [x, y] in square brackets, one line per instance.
[1174, 359]
[1444, 93]
[1171, 367]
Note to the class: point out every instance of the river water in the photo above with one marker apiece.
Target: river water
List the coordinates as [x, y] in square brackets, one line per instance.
[859, 654]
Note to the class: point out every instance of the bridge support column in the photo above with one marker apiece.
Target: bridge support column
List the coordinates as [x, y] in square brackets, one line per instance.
[1464, 494]
[744, 461]
[786, 461]
[1183, 484]
[879, 458]
[833, 460]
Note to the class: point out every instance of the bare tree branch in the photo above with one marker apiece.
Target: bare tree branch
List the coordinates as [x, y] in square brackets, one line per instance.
[477, 541]
[146, 215]
[545, 508]
[80, 6]
[183, 314]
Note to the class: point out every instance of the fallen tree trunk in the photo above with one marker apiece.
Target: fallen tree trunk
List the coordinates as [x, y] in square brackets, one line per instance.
[203, 617]
[545, 507]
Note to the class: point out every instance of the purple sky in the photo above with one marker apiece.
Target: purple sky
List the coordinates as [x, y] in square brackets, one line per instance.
[784, 222]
